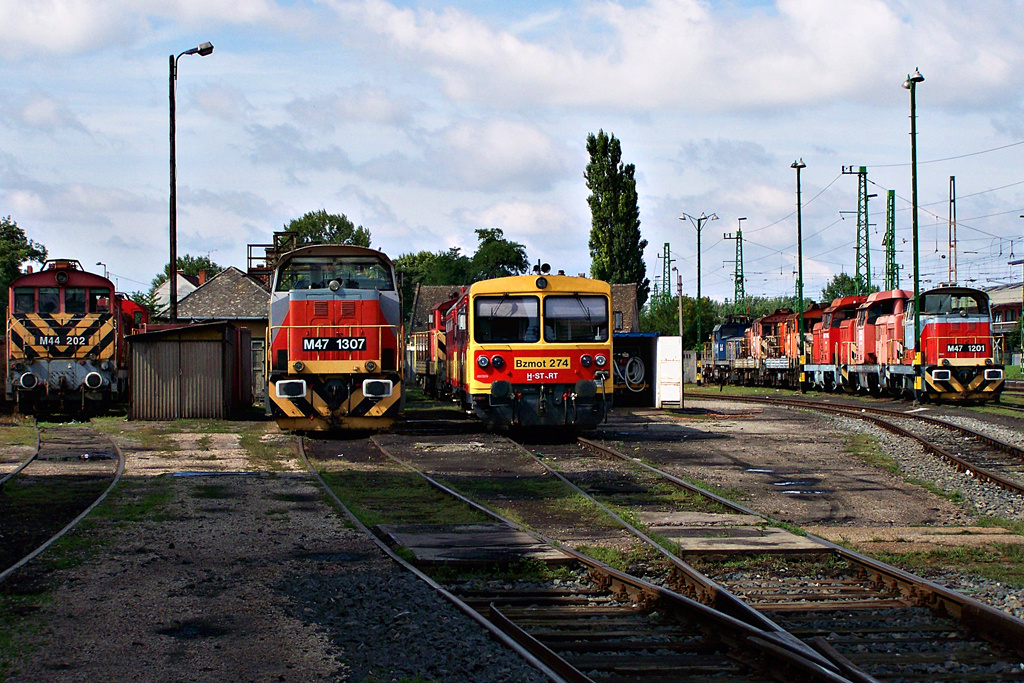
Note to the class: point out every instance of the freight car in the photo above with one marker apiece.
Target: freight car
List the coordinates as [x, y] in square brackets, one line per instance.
[66, 349]
[531, 351]
[334, 358]
[867, 344]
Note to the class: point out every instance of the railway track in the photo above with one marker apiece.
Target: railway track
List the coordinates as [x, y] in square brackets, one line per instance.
[603, 624]
[875, 621]
[71, 471]
[981, 456]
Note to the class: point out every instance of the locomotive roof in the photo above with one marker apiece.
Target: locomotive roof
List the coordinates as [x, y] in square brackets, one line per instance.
[888, 294]
[957, 291]
[527, 284]
[846, 302]
[333, 250]
[68, 270]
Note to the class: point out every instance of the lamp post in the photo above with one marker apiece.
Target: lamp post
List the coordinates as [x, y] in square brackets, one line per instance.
[799, 165]
[202, 50]
[698, 222]
[105, 273]
[911, 85]
[682, 356]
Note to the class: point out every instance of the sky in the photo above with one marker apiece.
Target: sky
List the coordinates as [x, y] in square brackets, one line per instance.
[425, 121]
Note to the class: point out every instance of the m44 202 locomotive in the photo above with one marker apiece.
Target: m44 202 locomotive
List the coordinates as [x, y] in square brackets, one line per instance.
[66, 348]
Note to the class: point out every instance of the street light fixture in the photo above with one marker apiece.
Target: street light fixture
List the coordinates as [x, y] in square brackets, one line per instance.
[201, 50]
[105, 274]
[911, 85]
[799, 166]
[698, 222]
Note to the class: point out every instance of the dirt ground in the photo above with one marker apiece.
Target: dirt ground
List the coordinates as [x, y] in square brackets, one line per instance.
[792, 466]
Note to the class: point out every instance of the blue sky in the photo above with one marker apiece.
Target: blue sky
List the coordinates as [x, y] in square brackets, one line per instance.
[423, 121]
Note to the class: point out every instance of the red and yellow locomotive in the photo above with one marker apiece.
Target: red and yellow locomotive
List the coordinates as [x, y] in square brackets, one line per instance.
[532, 350]
[66, 348]
[334, 358]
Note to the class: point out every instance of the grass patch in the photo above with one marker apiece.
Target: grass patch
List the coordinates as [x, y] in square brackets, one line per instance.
[1011, 525]
[266, 454]
[523, 570]
[1003, 562]
[522, 498]
[21, 433]
[619, 559]
[383, 496]
[865, 448]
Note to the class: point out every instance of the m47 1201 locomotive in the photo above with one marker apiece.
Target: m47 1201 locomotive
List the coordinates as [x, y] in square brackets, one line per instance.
[869, 344]
[334, 359]
[66, 347]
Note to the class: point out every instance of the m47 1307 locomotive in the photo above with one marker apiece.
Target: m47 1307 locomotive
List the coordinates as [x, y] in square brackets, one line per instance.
[334, 360]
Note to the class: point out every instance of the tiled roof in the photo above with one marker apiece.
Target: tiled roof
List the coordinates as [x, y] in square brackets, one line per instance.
[229, 295]
[424, 299]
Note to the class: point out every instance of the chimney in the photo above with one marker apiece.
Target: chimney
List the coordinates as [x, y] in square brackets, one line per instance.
[202, 277]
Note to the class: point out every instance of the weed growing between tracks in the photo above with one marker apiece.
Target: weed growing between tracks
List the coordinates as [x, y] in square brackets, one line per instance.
[1002, 562]
[19, 433]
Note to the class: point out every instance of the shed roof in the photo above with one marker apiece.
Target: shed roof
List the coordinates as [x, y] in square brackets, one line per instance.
[229, 295]
[424, 299]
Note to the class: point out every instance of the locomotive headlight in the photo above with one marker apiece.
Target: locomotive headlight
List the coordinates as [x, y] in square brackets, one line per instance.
[586, 360]
[371, 366]
[498, 362]
[945, 361]
[600, 360]
[299, 366]
[541, 282]
[482, 361]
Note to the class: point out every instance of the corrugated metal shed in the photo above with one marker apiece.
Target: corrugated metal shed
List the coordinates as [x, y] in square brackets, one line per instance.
[194, 371]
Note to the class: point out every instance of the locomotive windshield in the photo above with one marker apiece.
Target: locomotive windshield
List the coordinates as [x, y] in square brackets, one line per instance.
[575, 318]
[351, 272]
[506, 319]
[954, 303]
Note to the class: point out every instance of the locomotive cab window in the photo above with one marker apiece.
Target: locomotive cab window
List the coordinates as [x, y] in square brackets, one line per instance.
[24, 300]
[74, 300]
[575, 318]
[506, 319]
[952, 304]
[49, 300]
[99, 301]
[350, 272]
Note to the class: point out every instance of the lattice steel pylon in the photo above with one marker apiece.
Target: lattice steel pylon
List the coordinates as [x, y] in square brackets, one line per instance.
[666, 274]
[739, 288]
[863, 276]
[892, 269]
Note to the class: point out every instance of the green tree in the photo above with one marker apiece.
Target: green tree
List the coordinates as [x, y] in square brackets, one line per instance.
[328, 228]
[145, 299]
[496, 256]
[616, 248]
[841, 285]
[15, 250]
[187, 265]
[663, 316]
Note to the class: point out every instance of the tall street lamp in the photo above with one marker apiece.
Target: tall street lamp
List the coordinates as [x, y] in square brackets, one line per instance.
[698, 222]
[799, 165]
[202, 50]
[105, 272]
[911, 85]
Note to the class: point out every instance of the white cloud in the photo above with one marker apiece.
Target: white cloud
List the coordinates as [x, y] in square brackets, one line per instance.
[224, 102]
[361, 104]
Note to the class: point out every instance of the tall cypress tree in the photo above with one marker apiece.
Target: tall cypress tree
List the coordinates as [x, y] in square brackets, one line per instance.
[616, 249]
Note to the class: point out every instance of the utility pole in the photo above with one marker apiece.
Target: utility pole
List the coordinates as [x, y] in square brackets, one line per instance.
[892, 269]
[666, 272]
[739, 290]
[911, 85]
[952, 276]
[698, 222]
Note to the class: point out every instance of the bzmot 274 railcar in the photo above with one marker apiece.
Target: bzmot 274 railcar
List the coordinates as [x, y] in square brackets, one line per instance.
[868, 344]
[66, 348]
[334, 357]
[532, 350]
